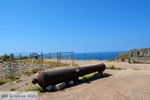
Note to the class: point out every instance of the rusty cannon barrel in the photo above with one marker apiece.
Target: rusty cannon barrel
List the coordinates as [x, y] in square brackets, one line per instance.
[44, 79]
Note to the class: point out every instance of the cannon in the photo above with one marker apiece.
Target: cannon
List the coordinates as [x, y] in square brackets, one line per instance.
[47, 78]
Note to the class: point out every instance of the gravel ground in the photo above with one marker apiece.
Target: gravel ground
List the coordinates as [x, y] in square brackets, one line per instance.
[122, 85]
[130, 83]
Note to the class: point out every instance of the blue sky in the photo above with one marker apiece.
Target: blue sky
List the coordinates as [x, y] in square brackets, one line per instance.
[74, 25]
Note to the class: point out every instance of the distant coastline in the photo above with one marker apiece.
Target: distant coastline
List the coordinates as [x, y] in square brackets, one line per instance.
[136, 53]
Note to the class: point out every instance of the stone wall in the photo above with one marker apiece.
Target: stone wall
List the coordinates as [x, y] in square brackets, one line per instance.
[7, 69]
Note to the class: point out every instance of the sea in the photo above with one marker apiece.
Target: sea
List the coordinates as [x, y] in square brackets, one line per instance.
[75, 55]
[87, 56]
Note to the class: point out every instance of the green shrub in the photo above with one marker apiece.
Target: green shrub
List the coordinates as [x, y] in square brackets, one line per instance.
[123, 59]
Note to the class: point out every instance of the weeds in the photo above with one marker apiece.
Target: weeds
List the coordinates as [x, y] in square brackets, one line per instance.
[33, 71]
[14, 89]
[136, 69]
[76, 65]
[19, 81]
[88, 77]
[113, 68]
[3, 82]
[13, 77]
[93, 76]
[34, 88]
[122, 59]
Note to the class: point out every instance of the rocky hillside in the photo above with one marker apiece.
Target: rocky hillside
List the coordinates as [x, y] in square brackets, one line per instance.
[135, 53]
